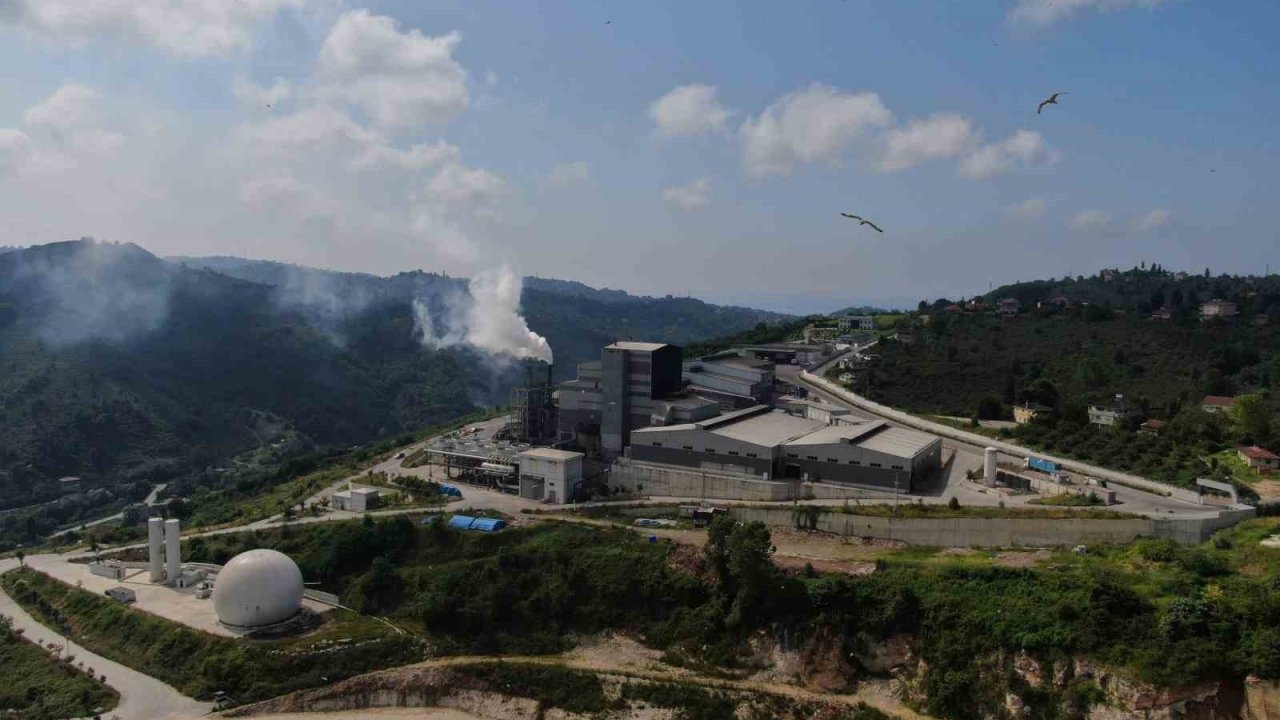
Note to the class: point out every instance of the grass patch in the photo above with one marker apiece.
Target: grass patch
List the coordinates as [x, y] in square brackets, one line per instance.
[38, 685]
[919, 511]
[551, 686]
[690, 702]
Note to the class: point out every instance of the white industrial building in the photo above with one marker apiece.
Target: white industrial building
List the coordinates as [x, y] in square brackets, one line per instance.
[550, 475]
[356, 499]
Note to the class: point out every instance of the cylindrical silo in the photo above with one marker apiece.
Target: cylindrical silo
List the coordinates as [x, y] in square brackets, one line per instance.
[989, 466]
[172, 553]
[155, 548]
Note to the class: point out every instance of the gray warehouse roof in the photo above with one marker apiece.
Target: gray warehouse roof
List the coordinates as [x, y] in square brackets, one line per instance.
[899, 441]
[637, 346]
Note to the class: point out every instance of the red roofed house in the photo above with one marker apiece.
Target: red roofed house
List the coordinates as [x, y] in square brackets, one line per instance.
[1151, 427]
[1260, 459]
[1216, 403]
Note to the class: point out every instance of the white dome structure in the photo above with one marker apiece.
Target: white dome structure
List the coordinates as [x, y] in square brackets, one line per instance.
[256, 589]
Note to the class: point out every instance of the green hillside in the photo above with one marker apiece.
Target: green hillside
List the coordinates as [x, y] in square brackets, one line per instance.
[127, 369]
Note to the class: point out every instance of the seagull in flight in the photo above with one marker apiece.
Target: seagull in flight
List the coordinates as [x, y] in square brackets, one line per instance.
[1053, 100]
[862, 221]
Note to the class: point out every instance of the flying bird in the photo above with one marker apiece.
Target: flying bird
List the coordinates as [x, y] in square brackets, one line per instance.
[1053, 100]
[862, 221]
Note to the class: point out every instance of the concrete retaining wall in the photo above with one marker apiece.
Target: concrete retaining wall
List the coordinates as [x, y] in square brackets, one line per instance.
[667, 481]
[1000, 532]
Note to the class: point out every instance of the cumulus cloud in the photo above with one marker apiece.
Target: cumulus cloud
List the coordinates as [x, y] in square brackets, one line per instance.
[16, 150]
[400, 79]
[807, 126]
[1022, 149]
[474, 189]
[1030, 208]
[688, 110]
[422, 155]
[1090, 220]
[260, 95]
[186, 28]
[1153, 220]
[689, 197]
[568, 174]
[943, 135]
[1042, 13]
[308, 128]
[70, 116]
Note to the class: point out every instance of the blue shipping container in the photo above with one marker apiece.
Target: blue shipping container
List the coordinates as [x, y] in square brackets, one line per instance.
[1042, 465]
[461, 522]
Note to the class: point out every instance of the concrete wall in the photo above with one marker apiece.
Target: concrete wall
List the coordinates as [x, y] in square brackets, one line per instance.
[1001, 532]
[659, 481]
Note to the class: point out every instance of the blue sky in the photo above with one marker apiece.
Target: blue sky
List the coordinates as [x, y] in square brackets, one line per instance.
[541, 140]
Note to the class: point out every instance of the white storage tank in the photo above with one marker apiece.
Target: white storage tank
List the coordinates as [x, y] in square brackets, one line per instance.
[989, 466]
[256, 589]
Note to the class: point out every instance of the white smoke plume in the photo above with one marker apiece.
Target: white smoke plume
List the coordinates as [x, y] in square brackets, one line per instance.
[489, 319]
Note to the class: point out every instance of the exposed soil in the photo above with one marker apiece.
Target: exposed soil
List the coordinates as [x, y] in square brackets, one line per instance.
[1021, 558]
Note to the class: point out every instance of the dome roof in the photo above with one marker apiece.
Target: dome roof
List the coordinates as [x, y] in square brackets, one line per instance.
[257, 588]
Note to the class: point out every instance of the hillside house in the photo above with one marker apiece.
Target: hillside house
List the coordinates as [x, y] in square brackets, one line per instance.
[1217, 404]
[1260, 459]
[1218, 310]
[1151, 427]
[1116, 413]
[1007, 307]
[1059, 302]
[1026, 412]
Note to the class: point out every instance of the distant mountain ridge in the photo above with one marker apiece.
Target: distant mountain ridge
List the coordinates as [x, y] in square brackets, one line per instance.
[119, 365]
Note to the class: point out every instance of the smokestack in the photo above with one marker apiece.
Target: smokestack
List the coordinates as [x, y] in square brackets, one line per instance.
[172, 552]
[989, 467]
[155, 546]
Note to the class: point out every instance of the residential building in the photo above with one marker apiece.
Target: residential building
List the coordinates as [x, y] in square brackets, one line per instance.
[1008, 306]
[1151, 427]
[1218, 310]
[1059, 302]
[1116, 413]
[1260, 459]
[1026, 412]
[1217, 404]
[856, 322]
[772, 444]
[69, 485]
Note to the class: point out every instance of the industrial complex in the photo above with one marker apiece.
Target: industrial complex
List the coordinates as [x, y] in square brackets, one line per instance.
[645, 408]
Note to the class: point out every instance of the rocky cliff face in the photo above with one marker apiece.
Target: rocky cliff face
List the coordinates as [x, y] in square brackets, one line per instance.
[1261, 699]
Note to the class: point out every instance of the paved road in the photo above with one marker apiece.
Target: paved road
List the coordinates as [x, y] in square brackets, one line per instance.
[142, 697]
[151, 500]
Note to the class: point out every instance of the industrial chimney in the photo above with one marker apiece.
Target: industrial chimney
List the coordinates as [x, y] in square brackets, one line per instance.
[155, 543]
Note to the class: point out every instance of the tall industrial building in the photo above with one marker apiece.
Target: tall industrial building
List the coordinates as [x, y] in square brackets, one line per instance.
[619, 394]
[735, 380]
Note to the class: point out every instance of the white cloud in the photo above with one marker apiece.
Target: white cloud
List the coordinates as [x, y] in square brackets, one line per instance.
[689, 197]
[281, 190]
[806, 126]
[1155, 219]
[16, 150]
[467, 190]
[1022, 149]
[306, 129]
[568, 174]
[1042, 13]
[1030, 208]
[71, 118]
[400, 79]
[1090, 220]
[262, 95]
[491, 78]
[422, 155]
[943, 135]
[688, 110]
[186, 28]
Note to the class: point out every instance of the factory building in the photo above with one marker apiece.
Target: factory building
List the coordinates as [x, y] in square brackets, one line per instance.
[356, 499]
[611, 398]
[732, 379]
[789, 353]
[772, 444]
[550, 475]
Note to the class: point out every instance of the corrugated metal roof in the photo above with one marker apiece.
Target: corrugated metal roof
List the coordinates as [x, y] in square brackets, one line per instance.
[551, 454]
[637, 346]
[829, 434]
[899, 441]
[769, 429]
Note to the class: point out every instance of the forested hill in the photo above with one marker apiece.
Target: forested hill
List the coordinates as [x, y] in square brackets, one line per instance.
[120, 366]
[1146, 289]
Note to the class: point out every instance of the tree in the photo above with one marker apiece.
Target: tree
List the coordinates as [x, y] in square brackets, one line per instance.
[22, 557]
[989, 408]
[1250, 418]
